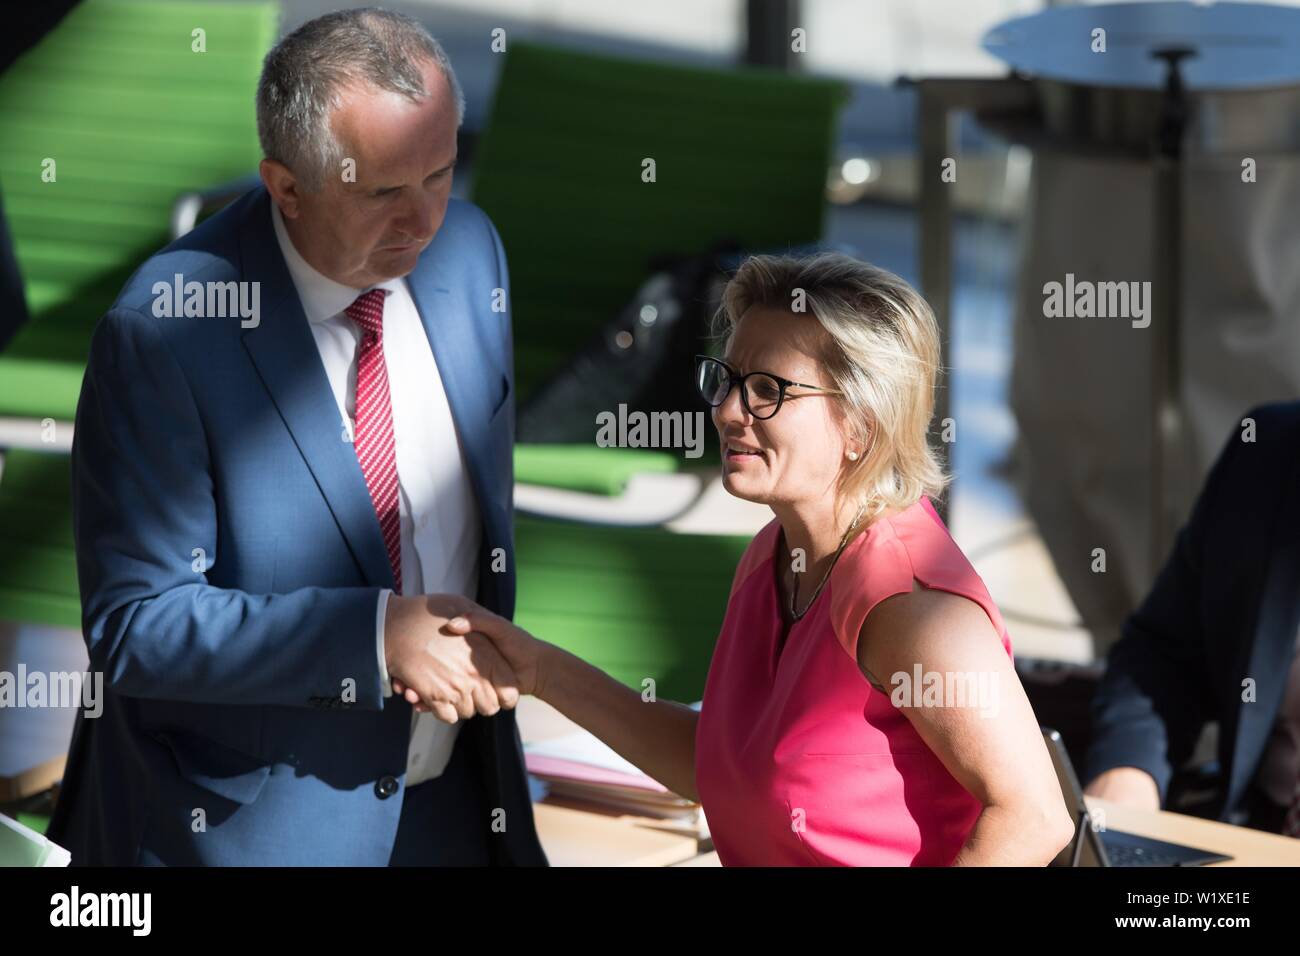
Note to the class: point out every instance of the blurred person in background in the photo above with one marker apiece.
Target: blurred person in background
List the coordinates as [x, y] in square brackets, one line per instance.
[1216, 640]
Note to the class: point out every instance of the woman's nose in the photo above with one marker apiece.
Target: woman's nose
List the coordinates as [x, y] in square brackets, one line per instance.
[732, 408]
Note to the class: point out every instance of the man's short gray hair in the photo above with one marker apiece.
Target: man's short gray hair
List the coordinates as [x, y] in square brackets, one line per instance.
[304, 75]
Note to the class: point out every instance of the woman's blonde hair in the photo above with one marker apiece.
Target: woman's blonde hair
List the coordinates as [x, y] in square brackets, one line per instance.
[884, 358]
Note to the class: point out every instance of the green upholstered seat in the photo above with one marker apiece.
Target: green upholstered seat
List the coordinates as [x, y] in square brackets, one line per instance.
[637, 602]
[600, 471]
[132, 118]
[740, 154]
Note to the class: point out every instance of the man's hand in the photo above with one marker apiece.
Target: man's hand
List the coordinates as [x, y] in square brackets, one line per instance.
[1127, 785]
[524, 654]
[451, 674]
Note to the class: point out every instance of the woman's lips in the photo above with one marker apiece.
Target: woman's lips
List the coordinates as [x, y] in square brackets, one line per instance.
[733, 455]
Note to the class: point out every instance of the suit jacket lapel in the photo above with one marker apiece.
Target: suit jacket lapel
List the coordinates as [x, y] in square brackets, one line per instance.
[282, 348]
[470, 378]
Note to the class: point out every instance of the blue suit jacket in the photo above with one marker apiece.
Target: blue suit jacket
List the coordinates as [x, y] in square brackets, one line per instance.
[1224, 608]
[230, 561]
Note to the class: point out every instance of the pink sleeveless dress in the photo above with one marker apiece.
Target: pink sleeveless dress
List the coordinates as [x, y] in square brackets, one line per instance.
[798, 759]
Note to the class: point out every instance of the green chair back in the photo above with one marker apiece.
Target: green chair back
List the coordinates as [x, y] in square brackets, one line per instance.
[38, 566]
[636, 602]
[131, 117]
[739, 154]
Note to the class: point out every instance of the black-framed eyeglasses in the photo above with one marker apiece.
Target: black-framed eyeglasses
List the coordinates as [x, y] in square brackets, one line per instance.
[762, 393]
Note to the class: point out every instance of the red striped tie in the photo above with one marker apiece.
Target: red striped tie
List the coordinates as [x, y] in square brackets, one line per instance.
[373, 438]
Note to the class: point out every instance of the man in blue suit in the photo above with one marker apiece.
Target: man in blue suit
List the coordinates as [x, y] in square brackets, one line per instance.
[296, 422]
[1216, 640]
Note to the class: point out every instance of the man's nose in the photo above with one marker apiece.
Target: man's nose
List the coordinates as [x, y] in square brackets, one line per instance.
[417, 221]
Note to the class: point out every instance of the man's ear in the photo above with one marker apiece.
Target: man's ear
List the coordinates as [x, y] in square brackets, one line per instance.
[283, 186]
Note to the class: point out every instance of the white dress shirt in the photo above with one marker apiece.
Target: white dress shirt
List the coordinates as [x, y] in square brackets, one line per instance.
[440, 529]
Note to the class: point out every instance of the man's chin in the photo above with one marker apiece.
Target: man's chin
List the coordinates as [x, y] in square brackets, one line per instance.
[395, 263]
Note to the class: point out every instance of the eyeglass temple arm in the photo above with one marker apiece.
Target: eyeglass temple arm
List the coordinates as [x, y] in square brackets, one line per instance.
[815, 388]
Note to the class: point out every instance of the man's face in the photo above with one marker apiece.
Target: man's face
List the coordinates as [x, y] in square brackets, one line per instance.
[371, 225]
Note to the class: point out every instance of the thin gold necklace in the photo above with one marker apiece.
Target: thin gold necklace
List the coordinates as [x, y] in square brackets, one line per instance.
[794, 588]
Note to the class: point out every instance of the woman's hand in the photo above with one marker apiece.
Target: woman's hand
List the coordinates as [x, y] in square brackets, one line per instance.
[525, 654]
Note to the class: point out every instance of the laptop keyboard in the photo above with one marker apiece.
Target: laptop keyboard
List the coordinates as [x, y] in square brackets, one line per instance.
[1124, 854]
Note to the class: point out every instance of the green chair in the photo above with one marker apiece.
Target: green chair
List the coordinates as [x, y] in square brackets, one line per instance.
[741, 154]
[132, 118]
[637, 602]
[587, 468]
[38, 586]
[38, 566]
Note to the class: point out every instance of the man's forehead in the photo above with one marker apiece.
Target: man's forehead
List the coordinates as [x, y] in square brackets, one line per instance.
[363, 104]
[390, 128]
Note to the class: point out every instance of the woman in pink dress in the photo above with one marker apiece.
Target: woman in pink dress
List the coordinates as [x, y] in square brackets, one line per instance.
[861, 706]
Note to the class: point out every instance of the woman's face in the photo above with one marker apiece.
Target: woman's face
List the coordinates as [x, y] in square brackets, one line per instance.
[797, 454]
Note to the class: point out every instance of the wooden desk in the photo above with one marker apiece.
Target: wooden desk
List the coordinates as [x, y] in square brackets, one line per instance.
[577, 835]
[703, 859]
[1247, 847]
[580, 837]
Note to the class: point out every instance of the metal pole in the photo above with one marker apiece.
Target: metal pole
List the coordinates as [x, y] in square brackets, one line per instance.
[938, 101]
[1169, 465]
[768, 25]
[936, 131]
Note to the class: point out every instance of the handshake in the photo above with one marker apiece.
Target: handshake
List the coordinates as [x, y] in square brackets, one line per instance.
[453, 658]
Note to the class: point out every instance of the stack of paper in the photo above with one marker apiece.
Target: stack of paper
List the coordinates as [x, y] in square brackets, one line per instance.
[580, 766]
[23, 846]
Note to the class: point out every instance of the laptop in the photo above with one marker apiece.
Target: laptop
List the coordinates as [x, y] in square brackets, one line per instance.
[1093, 847]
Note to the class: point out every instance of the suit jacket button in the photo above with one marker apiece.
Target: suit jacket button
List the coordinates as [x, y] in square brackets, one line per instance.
[386, 787]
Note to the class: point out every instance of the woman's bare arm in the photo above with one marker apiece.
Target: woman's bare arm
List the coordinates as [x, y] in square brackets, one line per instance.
[656, 736]
[990, 742]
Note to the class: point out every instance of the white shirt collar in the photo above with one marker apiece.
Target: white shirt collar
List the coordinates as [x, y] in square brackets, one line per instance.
[322, 298]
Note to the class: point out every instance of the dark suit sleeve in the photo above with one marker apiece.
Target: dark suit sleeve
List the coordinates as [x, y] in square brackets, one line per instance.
[143, 502]
[507, 337]
[1156, 696]
[506, 330]
[507, 346]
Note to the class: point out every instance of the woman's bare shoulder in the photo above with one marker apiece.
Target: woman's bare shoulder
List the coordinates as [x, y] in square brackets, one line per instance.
[908, 626]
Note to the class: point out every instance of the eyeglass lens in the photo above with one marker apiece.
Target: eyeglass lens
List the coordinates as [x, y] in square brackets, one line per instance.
[761, 395]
